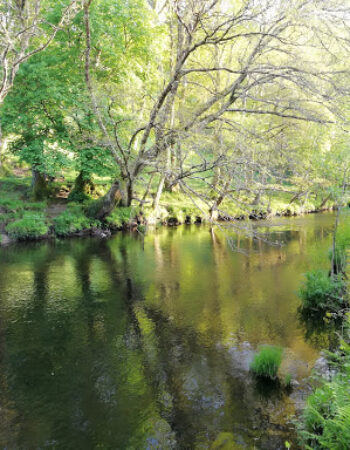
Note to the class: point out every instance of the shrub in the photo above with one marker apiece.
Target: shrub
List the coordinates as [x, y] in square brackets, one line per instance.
[73, 220]
[120, 216]
[325, 422]
[78, 197]
[31, 226]
[267, 362]
[321, 291]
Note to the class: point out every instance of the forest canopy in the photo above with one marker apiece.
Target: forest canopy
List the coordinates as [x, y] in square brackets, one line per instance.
[226, 102]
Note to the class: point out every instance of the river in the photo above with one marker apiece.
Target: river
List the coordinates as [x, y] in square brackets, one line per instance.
[144, 341]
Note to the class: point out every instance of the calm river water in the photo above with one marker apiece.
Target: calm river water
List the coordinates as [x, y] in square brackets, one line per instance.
[145, 342]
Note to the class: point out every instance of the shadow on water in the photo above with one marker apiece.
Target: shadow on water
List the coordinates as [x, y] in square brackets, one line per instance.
[146, 342]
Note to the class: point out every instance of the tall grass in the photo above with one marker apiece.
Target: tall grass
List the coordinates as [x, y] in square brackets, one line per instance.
[267, 362]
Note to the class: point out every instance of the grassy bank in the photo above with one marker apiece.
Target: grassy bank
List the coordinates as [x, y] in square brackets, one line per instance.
[23, 219]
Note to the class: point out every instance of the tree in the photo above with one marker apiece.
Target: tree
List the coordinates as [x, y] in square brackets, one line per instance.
[273, 63]
[27, 27]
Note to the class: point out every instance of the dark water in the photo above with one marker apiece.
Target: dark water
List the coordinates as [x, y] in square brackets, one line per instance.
[133, 343]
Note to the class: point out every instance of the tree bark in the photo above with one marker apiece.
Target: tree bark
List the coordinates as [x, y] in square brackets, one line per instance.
[104, 206]
[82, 187]
[159, 193]
[39, 185]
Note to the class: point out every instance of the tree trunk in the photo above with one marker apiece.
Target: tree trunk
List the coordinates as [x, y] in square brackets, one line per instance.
[257, 199]
[105, 205]
[335, 269]
[119, 193]
[159, 193]
[39, 185]
[325, 200]
[83, 186]
[126, 192]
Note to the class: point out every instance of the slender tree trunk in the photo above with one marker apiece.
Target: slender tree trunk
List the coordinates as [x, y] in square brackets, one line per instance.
[335, 268]
[325, 200]
[159, 193]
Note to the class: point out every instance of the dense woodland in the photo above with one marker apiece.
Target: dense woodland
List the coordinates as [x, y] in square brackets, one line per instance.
[129, 113]
[235, 107]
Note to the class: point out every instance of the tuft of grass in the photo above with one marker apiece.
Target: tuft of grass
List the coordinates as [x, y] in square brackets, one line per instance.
[72, 221]
[288, 380]
[267, 362]
[31, 226]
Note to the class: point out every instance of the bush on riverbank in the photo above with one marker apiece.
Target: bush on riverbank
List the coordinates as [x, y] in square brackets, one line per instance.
[321, 292]
[73, 220]
[267, 362]
[30, 226]
[121, 216]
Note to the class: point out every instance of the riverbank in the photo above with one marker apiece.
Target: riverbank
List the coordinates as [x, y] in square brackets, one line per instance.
[324, 423]
[22, 219]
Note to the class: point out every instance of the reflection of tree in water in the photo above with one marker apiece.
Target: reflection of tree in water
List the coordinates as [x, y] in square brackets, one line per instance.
[319, 332]
[127, 370]
[64, 379]
[200, 389]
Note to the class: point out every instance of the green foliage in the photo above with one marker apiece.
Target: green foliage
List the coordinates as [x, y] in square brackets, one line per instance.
[288, 380]
[267, 362]
[321, 291]
[121, 216]
[340, 258]
[72, 221]
[31, 226]
[325, 422]
[78, 197]
[12, 205]
[342, 244]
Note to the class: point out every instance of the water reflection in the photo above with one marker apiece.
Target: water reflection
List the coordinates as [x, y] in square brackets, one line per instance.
[146, 343]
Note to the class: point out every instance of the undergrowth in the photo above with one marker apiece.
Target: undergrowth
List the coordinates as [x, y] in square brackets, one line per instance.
[325, 422]
[32, 225]
[73, 220]
[121, 216]
[322, 292]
